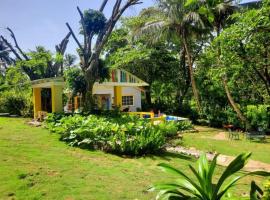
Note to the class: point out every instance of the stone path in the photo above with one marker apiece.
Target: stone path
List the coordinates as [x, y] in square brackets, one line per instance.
[222, 160]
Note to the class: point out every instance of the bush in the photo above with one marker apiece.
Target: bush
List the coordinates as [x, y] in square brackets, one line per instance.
[125, 135]
[16, 103]
[259, 116]
[168, 128]
[184, 125]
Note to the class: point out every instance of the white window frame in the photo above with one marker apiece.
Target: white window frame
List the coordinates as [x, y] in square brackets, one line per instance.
[128, 104]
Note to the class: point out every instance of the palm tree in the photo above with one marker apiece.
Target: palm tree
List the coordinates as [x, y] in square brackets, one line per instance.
[183, 21]
[69, 60]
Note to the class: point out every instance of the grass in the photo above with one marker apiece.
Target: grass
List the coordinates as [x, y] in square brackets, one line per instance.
[34, 164]
[204, 140]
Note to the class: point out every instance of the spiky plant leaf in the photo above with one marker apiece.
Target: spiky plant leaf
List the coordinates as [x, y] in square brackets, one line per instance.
[237, 164]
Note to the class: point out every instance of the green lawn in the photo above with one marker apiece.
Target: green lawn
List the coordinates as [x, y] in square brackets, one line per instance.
[204, 140]
[34, 164]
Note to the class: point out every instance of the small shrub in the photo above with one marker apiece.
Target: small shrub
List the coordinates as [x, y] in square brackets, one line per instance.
[168, 128]
[16, 103]
[184, 125]
[258, 116]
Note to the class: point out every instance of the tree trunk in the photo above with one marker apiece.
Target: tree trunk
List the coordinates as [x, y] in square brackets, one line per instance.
[233, 104]
[87, 97]
[183, 87]
[227, 90]
[193, 82]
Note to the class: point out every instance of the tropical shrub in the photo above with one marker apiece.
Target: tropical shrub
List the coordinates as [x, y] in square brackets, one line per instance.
[168, 128]
[184, 125]
[16, 103]
[203, 187]
[119, 134]
[258, 116]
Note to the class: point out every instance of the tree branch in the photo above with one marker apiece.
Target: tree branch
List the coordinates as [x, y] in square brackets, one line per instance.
[74, 37]
[103, 5]
[16, 44]
[11, 48]
[116, 7]
[84, 28]
[61, 48]
[116, 14]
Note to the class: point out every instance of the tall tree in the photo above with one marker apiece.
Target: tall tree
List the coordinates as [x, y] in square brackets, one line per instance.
[186, 24]
[236, 65]
[21, 56]
[41, 63]
[94, 23]
[217, 13]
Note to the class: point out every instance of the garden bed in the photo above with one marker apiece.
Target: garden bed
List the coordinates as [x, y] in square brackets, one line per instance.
[120, 134]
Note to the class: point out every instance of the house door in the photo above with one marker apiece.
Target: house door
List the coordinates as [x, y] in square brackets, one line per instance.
[103, 101]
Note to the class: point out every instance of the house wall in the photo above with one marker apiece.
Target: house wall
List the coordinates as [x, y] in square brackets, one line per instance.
[100, 89]
[136, 92]
[126, 91]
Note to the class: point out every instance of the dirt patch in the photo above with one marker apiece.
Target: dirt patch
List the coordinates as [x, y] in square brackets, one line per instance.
[221, 136]
[206, 129]
[52, 173]
[218, 136]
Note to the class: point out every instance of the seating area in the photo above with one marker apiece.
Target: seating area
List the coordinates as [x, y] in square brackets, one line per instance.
[260, 135]
[234, 134]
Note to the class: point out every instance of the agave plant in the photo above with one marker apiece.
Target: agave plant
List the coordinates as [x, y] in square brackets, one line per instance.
[202, 186]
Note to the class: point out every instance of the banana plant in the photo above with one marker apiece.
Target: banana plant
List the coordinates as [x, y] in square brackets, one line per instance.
[202, 186]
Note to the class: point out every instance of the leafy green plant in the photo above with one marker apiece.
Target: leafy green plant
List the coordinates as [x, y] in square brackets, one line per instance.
[94, 21]
[266, 194]
[258, 116]
[203, 187]
[184, 125]
[111, 132]
[256, 193]
[16, 103]
[169, 128]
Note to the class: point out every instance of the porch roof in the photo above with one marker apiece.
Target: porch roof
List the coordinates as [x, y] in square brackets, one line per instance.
[48, 82]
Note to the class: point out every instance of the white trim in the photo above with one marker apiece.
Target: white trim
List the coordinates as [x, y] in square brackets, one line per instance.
[122, 84]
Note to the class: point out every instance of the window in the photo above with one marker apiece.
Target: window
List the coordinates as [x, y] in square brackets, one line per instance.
[127, 100]
[123, 76]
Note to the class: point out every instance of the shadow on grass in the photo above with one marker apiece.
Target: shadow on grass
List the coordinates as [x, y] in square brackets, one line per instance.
[167, 156]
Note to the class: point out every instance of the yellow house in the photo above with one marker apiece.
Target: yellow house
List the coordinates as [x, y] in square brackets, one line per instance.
[51, 100]
[122, 90]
